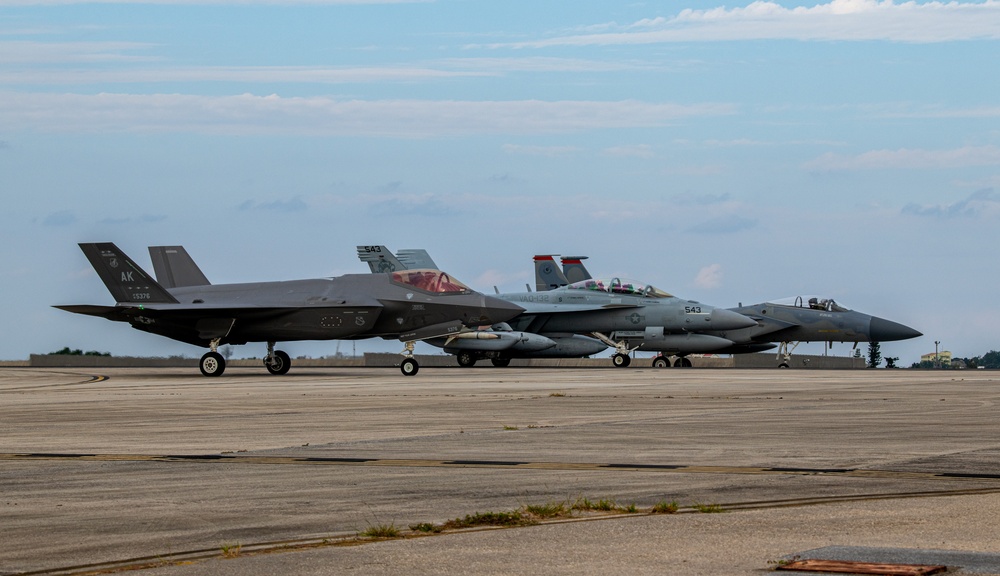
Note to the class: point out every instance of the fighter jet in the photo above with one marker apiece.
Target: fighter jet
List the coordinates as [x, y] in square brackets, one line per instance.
[409, 305]
[586, 317]
[813, 319]
[783, 324]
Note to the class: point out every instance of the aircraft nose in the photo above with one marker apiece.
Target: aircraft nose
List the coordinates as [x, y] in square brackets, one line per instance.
[496, 310]
[723, 319]
[882, 330]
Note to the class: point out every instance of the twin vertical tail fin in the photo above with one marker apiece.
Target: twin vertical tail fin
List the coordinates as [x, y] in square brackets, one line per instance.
[380, 259]
[573, 268]
[127, 282]
[547, 274]
[174, 267]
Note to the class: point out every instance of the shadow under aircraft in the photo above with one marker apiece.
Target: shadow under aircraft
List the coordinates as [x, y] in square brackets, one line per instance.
[410, 305]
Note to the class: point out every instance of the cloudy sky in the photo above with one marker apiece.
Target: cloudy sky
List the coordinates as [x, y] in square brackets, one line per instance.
[724, 152]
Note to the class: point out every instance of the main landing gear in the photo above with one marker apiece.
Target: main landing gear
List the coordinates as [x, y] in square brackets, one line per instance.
[662, 361]
[277, 362]
[212, 363]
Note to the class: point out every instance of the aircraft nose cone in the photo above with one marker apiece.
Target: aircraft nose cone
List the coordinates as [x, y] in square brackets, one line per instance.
[882, 330]
[497, 310]
[723, 319]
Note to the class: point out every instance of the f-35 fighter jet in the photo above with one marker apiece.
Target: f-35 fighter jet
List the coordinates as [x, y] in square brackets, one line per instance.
[409, 305]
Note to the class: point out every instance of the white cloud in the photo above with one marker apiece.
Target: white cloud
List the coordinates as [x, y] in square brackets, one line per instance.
[544, 151]
[909, 159]
[838, 20]
[634, 151]
[709, 277]
[252, 114]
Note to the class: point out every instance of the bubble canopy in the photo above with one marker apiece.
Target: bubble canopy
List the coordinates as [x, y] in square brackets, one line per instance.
[434, 281]
[812, 302]
[619, 286]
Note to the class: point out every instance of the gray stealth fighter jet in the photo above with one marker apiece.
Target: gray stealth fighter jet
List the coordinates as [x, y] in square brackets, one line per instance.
[409, 305]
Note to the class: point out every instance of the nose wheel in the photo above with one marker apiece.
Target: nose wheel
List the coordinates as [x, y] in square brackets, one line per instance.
[621, 360]
[409, 365]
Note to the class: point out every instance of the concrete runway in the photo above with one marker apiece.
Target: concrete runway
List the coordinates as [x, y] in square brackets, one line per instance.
[118, 468]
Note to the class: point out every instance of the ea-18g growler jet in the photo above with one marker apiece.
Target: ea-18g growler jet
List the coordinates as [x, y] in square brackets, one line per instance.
[409, 305]
[586, 317]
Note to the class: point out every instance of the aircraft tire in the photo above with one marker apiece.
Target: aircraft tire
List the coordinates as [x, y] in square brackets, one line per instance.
[661, 362]
[409, 367]
[466, 359]
[280, 364]
[682, 363]
[783, 365]
[621, 360]
[501, 362]
[212, 364]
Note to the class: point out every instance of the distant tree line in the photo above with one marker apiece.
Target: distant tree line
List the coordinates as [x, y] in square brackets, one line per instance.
[67, 352]
[990, 360]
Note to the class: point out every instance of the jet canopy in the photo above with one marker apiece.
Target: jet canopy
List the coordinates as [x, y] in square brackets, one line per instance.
[619, 286]
[812, 302]
[434, 281]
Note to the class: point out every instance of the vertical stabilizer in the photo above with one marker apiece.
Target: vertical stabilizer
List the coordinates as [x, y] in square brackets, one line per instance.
[416, 259]
[174, 268]
[379, 259]
[547, 274]
[573, 268]
[127, 282]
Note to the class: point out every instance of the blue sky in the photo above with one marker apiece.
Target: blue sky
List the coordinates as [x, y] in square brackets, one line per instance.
[724, 152]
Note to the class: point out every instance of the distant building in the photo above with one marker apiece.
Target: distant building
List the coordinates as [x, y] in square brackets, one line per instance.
[943, 356]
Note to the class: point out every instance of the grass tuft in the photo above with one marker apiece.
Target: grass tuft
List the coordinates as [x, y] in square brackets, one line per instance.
[549, 510]
[427, 528]
[708, 508]
[231, 550]
[512, 518]
[381, 531]
[664, 507]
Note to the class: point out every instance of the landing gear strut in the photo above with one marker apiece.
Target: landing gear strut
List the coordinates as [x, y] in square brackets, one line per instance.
[212, 363]
[785, 354]
[277, 362]
[621, 358]
[409, 365]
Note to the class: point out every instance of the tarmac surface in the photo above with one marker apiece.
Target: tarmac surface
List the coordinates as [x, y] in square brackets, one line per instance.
[169, 473]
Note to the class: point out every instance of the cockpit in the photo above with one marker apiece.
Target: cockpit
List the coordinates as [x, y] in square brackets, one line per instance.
[434, 281]
[619, 286]
[813, 303]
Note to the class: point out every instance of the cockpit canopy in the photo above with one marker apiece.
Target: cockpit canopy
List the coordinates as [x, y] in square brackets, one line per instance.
[619, 286]
[434, 281]
[812, 302]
